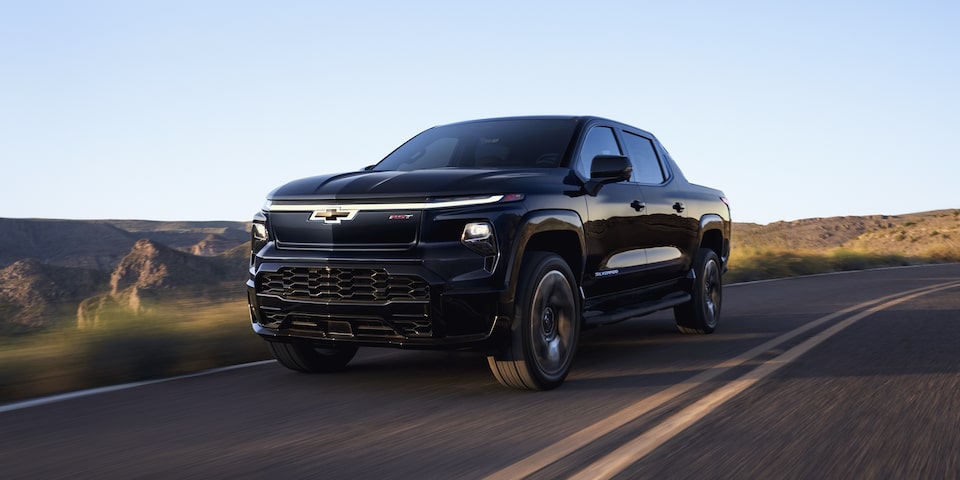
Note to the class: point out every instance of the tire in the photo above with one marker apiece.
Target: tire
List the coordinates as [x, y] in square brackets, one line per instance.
[702, 313]
[545, 327]
[308, 358]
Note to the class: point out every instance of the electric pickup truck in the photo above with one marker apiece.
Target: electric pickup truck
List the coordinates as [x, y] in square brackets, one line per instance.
[506, 236]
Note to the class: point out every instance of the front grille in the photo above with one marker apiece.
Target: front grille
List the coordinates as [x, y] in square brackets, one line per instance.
[353, 325]
[331, 284]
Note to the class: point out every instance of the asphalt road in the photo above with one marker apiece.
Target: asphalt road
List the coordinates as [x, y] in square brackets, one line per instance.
[840, 376]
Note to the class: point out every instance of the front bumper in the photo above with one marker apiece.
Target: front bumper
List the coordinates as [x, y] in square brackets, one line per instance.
[399, 301]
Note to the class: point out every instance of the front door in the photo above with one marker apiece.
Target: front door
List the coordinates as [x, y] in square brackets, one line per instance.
[614, 224]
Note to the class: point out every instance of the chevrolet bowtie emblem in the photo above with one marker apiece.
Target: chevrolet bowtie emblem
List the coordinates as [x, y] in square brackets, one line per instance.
[333, 215]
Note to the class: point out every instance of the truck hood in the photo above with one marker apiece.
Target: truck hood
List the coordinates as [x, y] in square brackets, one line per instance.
[415, 184]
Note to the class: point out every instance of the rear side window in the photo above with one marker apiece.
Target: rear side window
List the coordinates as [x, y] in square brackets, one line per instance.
[599, 141]
[646, 165]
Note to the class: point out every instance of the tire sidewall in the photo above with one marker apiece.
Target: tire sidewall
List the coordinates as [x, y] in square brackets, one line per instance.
[534, 270]
[701, 295]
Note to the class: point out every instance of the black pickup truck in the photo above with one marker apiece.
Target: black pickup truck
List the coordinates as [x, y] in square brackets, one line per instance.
[507, 236]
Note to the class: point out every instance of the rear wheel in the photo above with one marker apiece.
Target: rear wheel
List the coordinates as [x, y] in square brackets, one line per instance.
[545, 327]
[308, 358]
[702, 313]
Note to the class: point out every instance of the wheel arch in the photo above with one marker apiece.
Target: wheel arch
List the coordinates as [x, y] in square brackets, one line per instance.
[715, 235]
[555, 231]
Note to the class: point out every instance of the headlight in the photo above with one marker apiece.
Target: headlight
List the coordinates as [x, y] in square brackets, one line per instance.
[478, 236]
[259, 234]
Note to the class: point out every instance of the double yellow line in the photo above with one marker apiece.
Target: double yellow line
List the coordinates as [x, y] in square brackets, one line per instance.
[633, 451]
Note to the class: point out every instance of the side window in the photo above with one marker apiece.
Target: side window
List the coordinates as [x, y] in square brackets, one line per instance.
[646, 166]
[599, 141]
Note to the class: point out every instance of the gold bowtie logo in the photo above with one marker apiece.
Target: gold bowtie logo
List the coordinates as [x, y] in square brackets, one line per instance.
[333, 215]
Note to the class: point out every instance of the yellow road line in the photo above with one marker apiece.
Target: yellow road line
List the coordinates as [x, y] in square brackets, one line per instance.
[558, 450]
[635, 450]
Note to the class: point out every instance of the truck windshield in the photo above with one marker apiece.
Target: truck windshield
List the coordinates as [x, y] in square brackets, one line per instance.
[485, 144]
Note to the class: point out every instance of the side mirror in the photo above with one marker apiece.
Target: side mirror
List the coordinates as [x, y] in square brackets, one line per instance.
[607, 169]
[610, 169]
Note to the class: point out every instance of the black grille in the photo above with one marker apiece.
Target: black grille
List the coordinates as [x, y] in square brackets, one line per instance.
[353, 326]
[330, 284]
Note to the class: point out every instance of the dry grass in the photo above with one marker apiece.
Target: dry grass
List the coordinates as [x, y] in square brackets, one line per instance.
[824, 245]
[753, 265]
[180, 338]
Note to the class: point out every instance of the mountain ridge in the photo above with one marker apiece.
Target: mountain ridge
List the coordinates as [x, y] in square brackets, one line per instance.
[34, 295]
[55, 272]
[913, 233]
[101, 244]
[152, 271]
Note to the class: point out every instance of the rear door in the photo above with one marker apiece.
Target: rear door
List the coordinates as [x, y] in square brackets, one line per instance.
[671, 232]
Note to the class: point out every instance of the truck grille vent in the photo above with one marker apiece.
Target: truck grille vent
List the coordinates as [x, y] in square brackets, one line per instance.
[412, 326]
[329, 284]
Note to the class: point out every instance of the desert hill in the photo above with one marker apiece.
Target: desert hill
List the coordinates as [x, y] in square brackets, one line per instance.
[820, 245]
[34, 296]
[915, 234]
[152, 272]
[199, 238]
[101, 244]
[66, 243]
[54, 271]
[151, 265]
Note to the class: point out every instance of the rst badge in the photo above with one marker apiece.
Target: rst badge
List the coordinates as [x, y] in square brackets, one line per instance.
[400, 217]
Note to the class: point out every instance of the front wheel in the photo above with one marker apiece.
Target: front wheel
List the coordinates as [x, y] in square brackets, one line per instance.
[545, 327]
[309, 358]
[702, 313]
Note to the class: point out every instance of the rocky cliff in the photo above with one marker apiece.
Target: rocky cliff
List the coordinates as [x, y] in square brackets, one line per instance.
[35, 296]
[152, 272]
[54, 272]
[101, 244]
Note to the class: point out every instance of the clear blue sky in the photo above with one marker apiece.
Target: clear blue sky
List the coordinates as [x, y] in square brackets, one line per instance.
[195, 110]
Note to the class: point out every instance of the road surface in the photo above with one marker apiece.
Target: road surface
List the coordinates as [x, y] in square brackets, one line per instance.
[852, 375]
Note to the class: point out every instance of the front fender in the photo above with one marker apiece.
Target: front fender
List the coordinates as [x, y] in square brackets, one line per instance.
[567, 224]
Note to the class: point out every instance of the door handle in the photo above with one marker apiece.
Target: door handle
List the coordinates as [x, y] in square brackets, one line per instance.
[637, 205]
[679, 207]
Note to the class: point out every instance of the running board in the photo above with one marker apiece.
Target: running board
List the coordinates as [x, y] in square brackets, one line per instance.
[594, 318]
